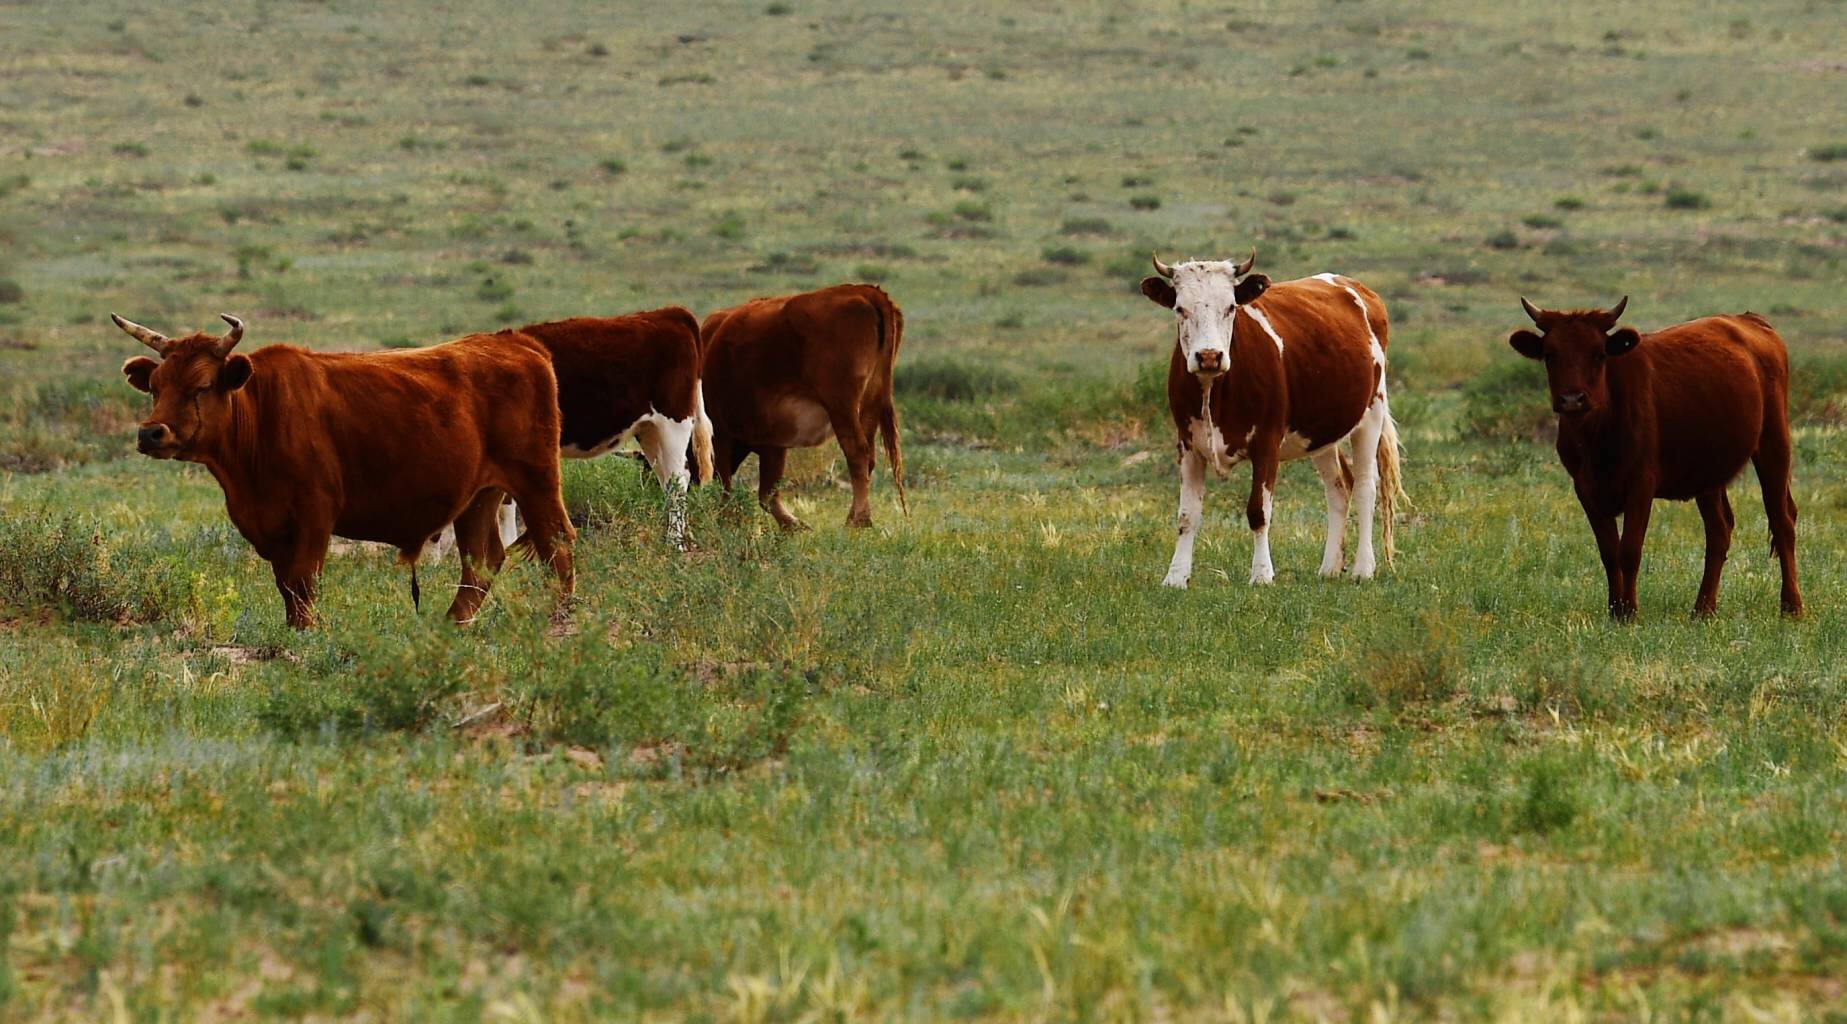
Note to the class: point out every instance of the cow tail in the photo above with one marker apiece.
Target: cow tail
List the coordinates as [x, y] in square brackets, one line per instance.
[891, 334]
[1391, 485]
[702, 435]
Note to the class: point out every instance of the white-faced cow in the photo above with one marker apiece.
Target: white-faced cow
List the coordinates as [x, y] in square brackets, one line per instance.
[1672, 414]
[1271, 373]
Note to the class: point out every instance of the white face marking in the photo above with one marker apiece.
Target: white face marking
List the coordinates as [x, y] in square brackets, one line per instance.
[1205, 304]
[1378, 350]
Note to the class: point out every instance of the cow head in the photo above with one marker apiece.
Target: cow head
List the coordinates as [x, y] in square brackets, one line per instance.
[191, 384]
[1574, 345]
[1205, 296]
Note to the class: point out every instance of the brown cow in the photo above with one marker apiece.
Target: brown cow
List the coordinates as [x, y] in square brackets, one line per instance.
[1673, 414]
[1273, 373]
[386, 447]
[786, 372]
[634, 376]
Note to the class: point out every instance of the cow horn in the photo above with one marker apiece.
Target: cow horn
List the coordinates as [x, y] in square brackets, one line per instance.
[229, 341]
[152, 339]
[1244, 268]
[1532, 311]
[1616, 313]
[1161, 268]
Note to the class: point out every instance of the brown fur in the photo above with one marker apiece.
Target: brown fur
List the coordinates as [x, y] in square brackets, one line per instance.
[1674, 414]
[786, 372]
[386, 447]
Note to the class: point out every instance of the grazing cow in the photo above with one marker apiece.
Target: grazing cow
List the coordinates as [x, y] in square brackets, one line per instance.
[1674, 414]
[786, 372]
[386, 447]
[1271, 373]
[634, 376]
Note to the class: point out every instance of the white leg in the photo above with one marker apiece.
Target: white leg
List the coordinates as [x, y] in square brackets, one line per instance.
[509, 522]
[1366, 482]
[1334, 484]
[1192, 509]
[666, 444]
[1262, 571]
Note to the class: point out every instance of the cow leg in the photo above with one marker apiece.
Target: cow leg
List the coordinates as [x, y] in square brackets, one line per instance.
[1258, 508]
[1716, 509]
[727, 456]
[1635, 532]
[1772, 462]
[1609, 552]
[1337, 484]
[856, 444]
[1366, 483]
[548, 527]
[666, 442]
[1192, 511]
[505, 533]
[769, 478]
[476, 531]
[297, 571]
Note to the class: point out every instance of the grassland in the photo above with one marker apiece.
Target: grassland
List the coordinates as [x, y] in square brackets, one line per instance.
[972, 764]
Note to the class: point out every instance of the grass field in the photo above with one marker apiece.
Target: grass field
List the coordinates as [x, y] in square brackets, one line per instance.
[975, 763]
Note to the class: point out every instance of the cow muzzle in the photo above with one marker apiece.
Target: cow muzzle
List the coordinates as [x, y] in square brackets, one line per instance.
[1571, 403]
[1209, 361]
[156, 441]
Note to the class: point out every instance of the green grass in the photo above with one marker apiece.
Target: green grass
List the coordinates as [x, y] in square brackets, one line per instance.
[973, 763]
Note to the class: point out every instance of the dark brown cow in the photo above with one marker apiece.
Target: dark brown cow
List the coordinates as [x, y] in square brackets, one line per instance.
[386, 447]
[1674, 414]
[634, 376]
[1273, 373]
[786, 372]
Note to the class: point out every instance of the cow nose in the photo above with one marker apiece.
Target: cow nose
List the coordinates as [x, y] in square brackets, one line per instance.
[148, 438]
[1211, 360]
[1573, 401]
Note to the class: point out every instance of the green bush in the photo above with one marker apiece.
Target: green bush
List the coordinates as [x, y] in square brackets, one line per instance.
[1507, 402]
[61, 562]
[953, 380]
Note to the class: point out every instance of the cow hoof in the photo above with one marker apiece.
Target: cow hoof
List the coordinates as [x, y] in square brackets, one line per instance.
[1175, 580]
[1364, 570]
[793, 525]
[1330, 571]
[1262, 577]
[859, 522]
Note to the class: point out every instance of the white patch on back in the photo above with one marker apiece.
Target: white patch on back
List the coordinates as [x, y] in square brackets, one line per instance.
[1378, 350]
[1264, 322]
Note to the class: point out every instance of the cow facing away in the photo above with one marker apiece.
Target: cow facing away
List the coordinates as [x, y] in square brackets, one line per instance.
[385, 447]
[787, 372]
[1271, 373]
[1673, 414]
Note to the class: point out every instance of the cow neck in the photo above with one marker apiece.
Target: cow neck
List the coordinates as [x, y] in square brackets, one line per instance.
[235, 454]
[1606, 435]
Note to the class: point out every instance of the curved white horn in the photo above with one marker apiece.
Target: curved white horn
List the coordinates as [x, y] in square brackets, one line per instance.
[151, 338]
[229, 341]
[1532, 311]
[1161, 268]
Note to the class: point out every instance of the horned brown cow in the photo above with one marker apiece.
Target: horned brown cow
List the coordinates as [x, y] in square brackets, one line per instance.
[1273, 373]
[1672, 414]
[386, 447]
[786, 372]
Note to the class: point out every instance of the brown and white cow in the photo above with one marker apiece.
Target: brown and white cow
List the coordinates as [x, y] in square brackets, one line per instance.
[1271, 373]
[787, 372]
[386, 447]
[1672, 414]
[634, 376]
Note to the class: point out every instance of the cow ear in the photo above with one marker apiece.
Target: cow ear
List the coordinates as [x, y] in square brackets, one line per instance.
[1528, 344]
[1621, 340]
[138, 370]
[1160, 290]
[1252, 286]
[235, 373]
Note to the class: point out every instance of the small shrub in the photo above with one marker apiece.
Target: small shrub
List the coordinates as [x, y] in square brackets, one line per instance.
[13, 183]
[1686, 199]
[1568, 203]
[494, 289]
[612, 166]
[872, 273]
[1550, 801]
[1145, 202]
[970, 210]
[11, 292]
[1393, 677]
[598, 50]
[1505, 239]
[61, 562]
[137, 150]
[1542, 222]
[1507, 402]
[969, 184]
[729, 227]
[778, 10]
[1065, 255]
[952, 379]
[1829, 153]
[1086, 226]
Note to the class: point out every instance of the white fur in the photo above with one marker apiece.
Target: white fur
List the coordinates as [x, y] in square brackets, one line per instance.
[1327, 465]
[1262, 571]
[1264, 322]
[1205, 307]
[1366, 480]
[1293, 447]
[1192, 510]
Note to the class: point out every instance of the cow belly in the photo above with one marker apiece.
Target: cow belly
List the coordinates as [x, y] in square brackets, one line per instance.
[798, 423]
